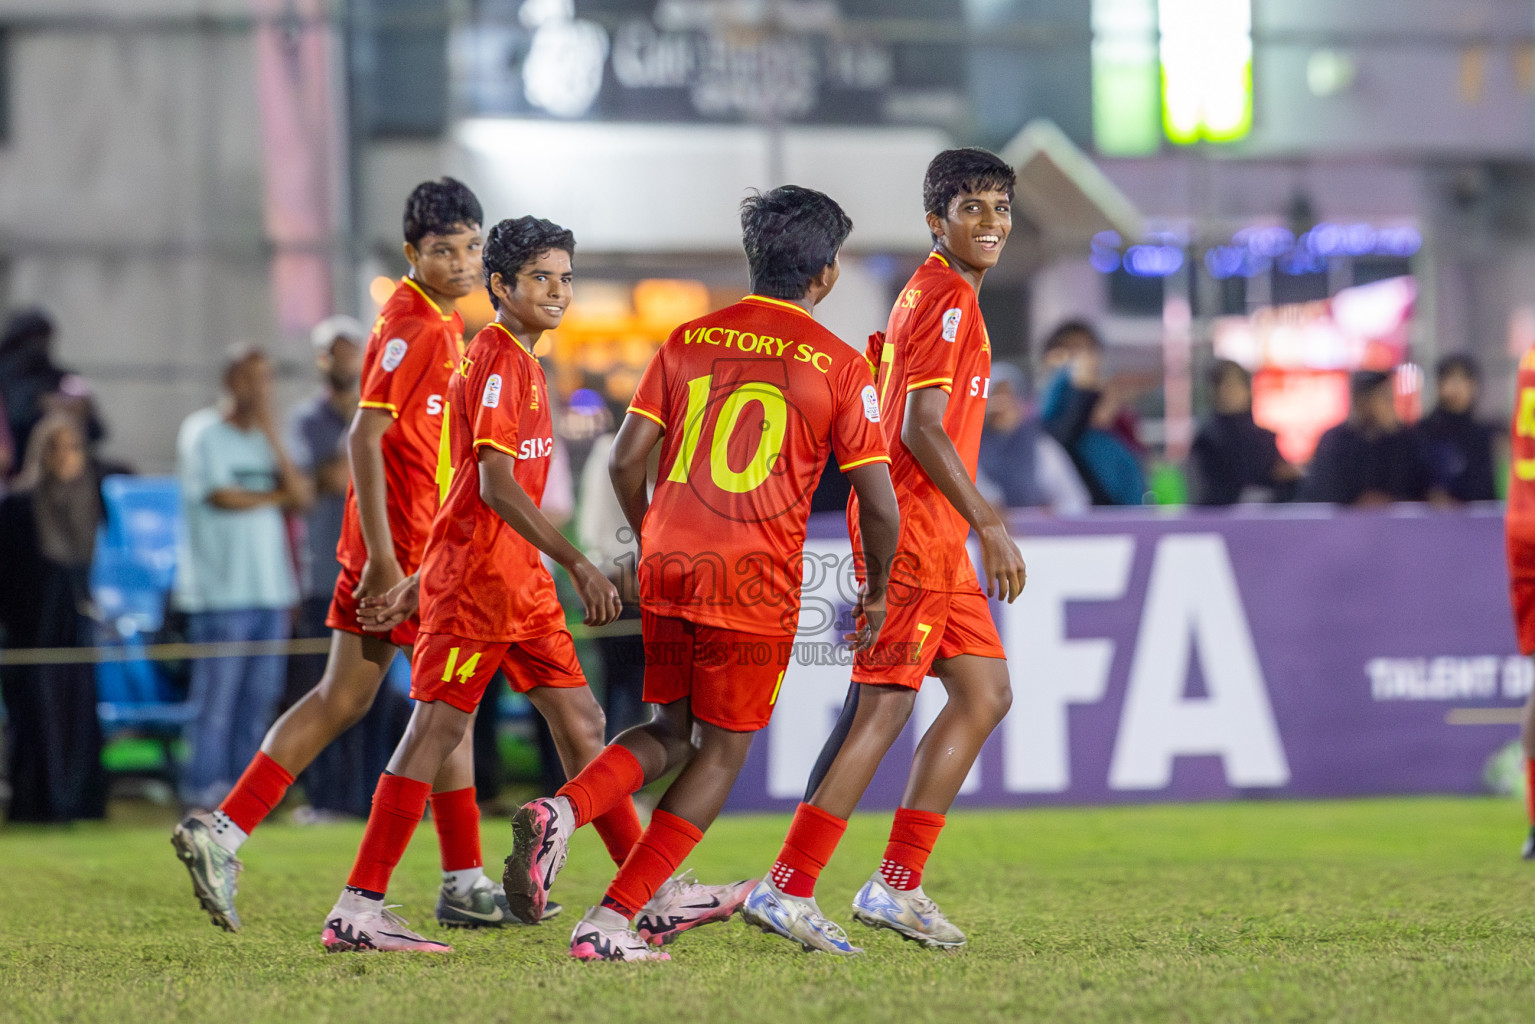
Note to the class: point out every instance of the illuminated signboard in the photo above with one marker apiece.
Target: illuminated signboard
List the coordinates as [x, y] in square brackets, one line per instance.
[1207, 70]
[691, 60]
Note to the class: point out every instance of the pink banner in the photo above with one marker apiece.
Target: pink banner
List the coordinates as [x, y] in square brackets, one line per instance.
[302, 151]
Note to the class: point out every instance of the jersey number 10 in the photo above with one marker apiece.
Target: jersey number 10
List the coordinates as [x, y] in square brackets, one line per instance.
[775, 424]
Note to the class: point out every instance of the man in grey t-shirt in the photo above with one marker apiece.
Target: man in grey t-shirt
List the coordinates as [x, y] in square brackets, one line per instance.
[317, 437]
[340, 780]
[234, 576]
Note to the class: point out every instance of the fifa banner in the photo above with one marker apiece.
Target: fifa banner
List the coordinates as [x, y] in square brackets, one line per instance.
[1277, 653]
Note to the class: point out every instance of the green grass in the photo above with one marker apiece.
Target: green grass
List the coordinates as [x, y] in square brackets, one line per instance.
[1399, 910]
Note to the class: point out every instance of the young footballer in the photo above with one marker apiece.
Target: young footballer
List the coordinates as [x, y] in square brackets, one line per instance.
[486, 600]
[745, 403]
[934, 369]
[399, 475]
[1519, 526]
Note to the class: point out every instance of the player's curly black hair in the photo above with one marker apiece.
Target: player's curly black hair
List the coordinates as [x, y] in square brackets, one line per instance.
[516, 242]
[790, 235]
[964, 170]
[437, 207]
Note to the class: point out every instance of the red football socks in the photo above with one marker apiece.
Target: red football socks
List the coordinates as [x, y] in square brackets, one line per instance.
[398, 804]
[912, 836]
[620, 830]
[654, 859]
[603, 784]
[261, 788]
[457, 817]
[812, 839]
[1529, 790]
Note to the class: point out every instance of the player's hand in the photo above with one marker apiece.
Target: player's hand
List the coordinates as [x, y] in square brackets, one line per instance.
[378, 577]
[870, 617]
[380, 613]
[597, 593]
[1002, 563]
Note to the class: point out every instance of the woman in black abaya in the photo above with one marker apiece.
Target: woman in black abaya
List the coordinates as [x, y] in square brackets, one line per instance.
[47, 536]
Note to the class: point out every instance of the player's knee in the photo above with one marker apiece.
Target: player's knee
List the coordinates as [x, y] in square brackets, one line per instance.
[348, 706]
[434, 737]
[597, 725]
[724, 748]
[999, 700]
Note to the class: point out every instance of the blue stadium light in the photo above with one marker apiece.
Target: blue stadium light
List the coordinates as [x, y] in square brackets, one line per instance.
[1398, 241]
[1105, 252]
[1153, 260]
[1268, 241]
[1225, 261]
[1359, 239]
[1301, 260]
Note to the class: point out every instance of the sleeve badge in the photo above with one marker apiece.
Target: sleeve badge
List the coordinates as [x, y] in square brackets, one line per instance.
[394, 354]
[870, 403]
[951, 324]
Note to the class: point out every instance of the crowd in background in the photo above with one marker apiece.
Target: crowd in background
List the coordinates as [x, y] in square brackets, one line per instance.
[262, 499]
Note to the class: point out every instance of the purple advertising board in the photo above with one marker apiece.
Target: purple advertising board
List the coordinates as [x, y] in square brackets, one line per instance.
[1279, 652]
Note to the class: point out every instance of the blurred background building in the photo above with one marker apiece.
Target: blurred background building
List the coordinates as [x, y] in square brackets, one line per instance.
[1304, 187]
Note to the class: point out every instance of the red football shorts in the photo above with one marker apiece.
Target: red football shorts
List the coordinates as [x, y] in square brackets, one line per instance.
[457, 670]
[923, 626]
[1521, 585]
[732, 678]
[343, 614]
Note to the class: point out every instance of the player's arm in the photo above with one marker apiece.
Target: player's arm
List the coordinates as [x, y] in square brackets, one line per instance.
[879, 526]
[500, 490]
[365, 449]
[232, 498]
[923, 434]
[627, 462]
[294, 489]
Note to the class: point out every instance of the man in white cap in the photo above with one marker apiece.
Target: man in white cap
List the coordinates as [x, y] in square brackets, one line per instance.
[334, 783]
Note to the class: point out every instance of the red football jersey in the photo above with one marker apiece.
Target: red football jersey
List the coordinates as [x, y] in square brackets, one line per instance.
[935, 339]
[479, 578]
[1521, 477]
[410, 357]
[751, 398]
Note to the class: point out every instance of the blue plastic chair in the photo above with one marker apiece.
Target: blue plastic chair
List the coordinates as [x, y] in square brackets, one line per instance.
[130, 582]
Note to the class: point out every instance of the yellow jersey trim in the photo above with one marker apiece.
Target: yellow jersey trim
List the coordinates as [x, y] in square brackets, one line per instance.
[778, 302]
[648, 415]
[494, 444]
[936, 255]
[386, 406]
[428, 298]
[934, 382]
[509, 334]
[864, 462]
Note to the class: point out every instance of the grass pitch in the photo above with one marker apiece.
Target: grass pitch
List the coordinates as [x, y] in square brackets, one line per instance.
[1391, 910]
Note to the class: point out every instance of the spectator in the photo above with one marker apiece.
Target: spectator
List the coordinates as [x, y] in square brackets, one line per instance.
[1459, 445]
[338, 783]
[47, 537]
[608, 541]
[1088, 419]
[1234, 459]
[1019, 461]
[235, 576]
[31, 385]
[1370, 458]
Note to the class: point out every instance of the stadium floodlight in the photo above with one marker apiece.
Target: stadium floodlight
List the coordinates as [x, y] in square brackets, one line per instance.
[1207, 69]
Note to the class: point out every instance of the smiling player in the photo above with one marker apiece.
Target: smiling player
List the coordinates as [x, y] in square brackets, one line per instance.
[934, 372]
[399, 478]
[486, 600]
[745, 404]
